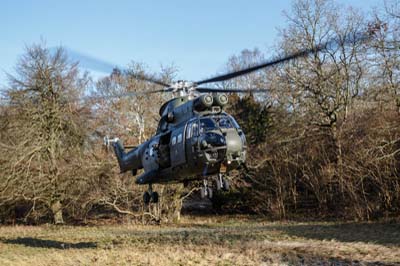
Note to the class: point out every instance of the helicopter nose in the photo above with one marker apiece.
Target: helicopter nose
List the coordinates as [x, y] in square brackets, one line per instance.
[234, 145]
[212, 140]
[213, 146]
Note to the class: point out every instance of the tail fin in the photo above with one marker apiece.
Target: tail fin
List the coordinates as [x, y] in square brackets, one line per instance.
[126, 161]
[119, 151]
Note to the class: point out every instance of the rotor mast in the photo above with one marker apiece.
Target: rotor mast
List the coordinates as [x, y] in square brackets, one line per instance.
[185, 88]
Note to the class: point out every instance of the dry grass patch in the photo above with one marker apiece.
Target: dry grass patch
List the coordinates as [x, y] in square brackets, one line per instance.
[203, 241]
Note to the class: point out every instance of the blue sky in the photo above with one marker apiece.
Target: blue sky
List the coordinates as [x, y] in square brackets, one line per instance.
[196, 36]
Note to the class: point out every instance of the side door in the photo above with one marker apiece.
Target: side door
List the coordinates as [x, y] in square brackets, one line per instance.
[191, 134]
[177, 147]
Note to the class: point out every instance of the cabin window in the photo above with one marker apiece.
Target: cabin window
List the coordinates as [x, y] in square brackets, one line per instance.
[195, 129]
[174, 140]
[188, 131]
[180, 138]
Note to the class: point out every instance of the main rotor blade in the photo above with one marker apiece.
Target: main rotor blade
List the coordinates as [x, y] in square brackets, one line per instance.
[90, 62]
[126, 94]
[149, 79]
[350, 39]
[202, 89]
[7, 101]
[106, 67]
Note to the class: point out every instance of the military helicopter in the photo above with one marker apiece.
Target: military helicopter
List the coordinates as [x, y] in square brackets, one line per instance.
[195, 139]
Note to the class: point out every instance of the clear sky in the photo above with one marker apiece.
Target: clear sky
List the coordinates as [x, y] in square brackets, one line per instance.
[197, 36]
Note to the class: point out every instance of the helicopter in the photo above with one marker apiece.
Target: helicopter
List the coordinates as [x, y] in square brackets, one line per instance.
[195, 138]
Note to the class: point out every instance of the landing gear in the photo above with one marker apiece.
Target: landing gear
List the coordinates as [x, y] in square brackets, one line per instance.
[146, 197]
[154, 197]
[222, 183]
[206, 191]
[150, 196]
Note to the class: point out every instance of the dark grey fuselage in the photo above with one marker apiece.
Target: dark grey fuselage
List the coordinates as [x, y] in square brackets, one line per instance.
[194, 139]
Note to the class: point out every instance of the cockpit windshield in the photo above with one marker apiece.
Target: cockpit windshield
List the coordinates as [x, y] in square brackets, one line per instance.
[207, 124]
[223, 122]
[214, 122]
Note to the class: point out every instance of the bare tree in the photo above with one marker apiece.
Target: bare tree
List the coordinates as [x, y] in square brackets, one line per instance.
[327, 81]
[385, 55]
[43, 144]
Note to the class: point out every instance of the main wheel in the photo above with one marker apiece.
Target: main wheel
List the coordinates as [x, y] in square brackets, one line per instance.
[146, 197]
[203, 192]
[209, 193]
[225, 184]
[219, 185]
[154, 197]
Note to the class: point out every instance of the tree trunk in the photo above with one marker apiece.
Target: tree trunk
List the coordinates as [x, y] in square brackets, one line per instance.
[172, 203]
[56, 208]
[176, 215]
[339, 157]
[175, 206]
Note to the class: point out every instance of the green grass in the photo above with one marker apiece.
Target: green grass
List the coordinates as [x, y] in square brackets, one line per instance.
[203, 241]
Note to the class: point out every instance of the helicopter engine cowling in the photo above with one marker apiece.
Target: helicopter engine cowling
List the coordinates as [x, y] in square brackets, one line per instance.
[220, 99]
[203, 102]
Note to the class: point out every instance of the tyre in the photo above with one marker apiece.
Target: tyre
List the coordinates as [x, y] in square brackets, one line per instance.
[203, 192]
[146, 197]
[154, 197]
[225, 184]
[219, 185]
[209, 193]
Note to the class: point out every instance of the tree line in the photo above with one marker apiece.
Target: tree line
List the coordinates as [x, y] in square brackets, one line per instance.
[324, 142]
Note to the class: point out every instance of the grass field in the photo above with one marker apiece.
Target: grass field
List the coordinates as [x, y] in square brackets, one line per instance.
[203, 241]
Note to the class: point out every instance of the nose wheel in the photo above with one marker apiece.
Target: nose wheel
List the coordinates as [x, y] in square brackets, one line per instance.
[222, 183]
[206, 191]
[150, 196]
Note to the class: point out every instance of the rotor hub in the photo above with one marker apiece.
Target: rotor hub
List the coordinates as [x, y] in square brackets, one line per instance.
[185, 88]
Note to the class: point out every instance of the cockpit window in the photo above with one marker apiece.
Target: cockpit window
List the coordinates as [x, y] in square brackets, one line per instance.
[206, 124]
[223, 122]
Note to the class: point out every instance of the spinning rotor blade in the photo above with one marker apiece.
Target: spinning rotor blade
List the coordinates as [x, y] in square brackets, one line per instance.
[149, 79]
[126, 94]
[89, 62]
[106, 67]
[101, 97]
[202, 89]
[335, 41]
